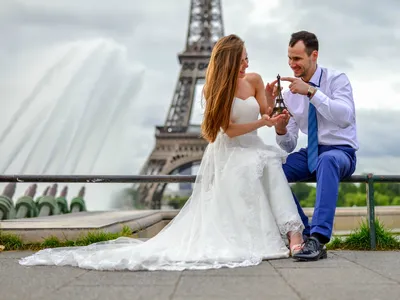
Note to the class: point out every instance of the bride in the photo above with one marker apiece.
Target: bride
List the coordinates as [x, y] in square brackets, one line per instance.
[241, 209]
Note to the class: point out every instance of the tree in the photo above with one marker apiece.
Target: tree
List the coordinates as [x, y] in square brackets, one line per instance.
[396, 200]
[355, 199]
[344, 189]
[301, 190]
[310, 200]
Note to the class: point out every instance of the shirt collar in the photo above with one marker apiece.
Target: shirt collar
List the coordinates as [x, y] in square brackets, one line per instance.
[316, 78]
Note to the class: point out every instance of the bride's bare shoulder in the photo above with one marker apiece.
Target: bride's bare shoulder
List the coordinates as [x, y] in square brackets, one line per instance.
[254, 78]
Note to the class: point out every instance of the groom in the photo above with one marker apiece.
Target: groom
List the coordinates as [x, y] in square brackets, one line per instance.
[321, 103]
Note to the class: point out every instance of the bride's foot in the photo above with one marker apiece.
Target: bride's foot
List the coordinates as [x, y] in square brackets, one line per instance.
[295, 249]
[295, 243]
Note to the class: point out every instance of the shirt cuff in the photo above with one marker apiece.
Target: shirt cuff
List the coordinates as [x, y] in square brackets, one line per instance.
[318, 98]
[283, 138]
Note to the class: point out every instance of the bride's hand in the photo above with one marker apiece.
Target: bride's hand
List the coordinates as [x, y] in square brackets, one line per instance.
[270, 121]
[271, 90]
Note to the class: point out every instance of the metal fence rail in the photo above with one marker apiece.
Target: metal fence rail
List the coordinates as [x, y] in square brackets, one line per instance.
[369, 179]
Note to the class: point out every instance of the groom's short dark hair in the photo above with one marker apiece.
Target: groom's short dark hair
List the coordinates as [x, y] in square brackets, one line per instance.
[309, 39]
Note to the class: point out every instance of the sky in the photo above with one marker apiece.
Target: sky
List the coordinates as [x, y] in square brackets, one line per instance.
[84, 83]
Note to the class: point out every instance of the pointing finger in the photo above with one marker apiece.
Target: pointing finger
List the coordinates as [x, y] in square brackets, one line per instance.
[291, 79]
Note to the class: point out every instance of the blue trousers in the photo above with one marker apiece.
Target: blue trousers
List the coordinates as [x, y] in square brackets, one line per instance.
[334, 164]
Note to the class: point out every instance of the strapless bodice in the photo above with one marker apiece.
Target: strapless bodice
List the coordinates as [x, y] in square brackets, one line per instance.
[245, 111]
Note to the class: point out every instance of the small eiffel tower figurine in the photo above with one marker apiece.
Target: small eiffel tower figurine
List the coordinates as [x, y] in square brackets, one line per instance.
[279, 104]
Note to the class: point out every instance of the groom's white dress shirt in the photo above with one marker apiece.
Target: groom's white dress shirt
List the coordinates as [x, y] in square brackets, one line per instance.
[335, 111]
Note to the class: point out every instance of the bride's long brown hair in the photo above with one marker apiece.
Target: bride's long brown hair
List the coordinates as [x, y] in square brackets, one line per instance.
[220, 85]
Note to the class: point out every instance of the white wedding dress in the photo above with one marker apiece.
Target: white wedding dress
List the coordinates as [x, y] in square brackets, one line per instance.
[239, 212]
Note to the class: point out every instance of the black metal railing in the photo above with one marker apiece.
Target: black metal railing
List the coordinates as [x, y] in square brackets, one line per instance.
[369, 179]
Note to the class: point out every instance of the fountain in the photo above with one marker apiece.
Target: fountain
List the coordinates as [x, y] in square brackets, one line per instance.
[79, 106]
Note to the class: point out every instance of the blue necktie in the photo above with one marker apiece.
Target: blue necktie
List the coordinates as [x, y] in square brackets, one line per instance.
[312, 149]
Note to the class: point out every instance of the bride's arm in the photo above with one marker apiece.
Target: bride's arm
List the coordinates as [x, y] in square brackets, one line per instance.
[258, 84]
[240, 129]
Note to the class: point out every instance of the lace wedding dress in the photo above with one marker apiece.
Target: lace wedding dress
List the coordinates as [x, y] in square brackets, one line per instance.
[240, 210]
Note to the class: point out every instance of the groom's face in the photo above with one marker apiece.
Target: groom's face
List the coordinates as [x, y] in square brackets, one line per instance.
[299, 61]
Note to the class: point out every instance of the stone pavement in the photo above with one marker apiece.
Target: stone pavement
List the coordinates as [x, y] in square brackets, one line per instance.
[344, 275]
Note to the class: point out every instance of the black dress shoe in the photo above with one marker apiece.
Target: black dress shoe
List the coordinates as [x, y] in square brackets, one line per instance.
[312, 250]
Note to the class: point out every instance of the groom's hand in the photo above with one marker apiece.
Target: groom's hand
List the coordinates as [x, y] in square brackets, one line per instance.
[280, 126]
[297, 86]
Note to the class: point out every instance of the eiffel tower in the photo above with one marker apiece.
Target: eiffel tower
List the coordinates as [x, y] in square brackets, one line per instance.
[178, 142]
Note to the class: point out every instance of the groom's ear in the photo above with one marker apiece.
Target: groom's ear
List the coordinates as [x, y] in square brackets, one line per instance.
[314, 55]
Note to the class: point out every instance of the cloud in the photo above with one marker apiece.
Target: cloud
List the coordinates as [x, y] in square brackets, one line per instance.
[378, 133]
[396, 87]
[344, 29]
[89, 15]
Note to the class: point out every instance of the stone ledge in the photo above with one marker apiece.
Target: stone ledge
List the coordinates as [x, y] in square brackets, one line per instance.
[70, 226]
[360, 211]
[348, 219]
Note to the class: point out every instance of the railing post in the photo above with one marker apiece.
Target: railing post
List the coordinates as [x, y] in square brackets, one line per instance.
[371, 210]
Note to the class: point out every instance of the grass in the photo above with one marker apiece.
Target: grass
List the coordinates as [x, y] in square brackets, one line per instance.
[11, 241]
[14, 242]
[359, 239]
